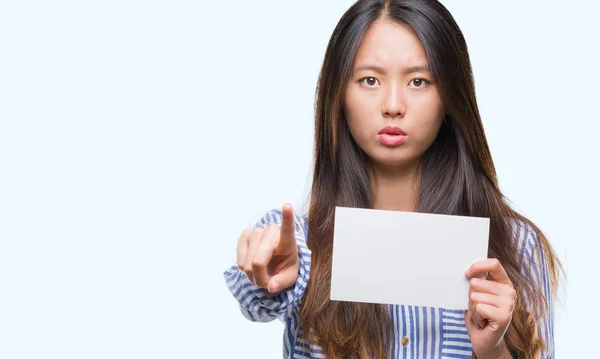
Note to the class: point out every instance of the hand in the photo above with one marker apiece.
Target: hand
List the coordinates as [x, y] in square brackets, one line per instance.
[491, 304]
[269, 256]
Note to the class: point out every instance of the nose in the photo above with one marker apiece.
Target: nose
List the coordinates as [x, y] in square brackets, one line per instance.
[394, 102]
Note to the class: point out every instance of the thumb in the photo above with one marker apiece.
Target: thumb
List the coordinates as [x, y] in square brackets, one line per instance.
[283, 280]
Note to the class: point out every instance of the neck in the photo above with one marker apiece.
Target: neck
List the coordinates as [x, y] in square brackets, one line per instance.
[395, 188]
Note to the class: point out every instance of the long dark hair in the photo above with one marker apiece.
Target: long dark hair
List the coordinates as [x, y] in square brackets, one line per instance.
[457, 176]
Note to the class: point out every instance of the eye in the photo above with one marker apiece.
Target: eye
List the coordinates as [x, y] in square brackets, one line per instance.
[420, 82]
[369, 81]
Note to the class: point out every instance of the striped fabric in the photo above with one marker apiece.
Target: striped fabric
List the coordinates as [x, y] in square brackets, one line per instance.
[419, 332]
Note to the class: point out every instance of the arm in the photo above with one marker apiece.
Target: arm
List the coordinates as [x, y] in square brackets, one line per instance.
[534, 264]
[256, 303]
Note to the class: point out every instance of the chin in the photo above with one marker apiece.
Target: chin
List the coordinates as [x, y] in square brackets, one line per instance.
[391, 160]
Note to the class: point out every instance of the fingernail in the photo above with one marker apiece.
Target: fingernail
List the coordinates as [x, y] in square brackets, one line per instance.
[274, 288]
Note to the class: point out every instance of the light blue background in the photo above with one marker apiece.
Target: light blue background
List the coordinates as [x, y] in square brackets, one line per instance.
[139, 138]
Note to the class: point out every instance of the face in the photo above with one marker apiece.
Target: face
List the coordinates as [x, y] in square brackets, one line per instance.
[392, 87]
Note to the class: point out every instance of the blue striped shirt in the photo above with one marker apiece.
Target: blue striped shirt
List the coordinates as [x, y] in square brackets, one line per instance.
[418, 332]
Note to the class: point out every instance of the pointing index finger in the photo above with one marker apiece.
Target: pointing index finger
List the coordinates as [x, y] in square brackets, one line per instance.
[288, 229]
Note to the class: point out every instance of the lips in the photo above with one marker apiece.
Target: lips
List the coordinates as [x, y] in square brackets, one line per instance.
[392, 136]
[392, 130]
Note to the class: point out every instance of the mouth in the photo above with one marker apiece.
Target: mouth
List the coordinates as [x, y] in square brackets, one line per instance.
[392, 136]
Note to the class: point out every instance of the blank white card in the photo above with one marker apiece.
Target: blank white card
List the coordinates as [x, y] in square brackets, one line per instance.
[394, 257]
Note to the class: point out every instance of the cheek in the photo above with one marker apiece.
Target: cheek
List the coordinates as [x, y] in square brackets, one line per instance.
[431, 126]
[430, 119]
[359, 113]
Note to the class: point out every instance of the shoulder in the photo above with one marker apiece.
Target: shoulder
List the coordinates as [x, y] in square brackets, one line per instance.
[523, 234]
[529, 248]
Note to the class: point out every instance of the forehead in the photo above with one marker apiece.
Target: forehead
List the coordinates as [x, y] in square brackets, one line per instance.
[388, 43]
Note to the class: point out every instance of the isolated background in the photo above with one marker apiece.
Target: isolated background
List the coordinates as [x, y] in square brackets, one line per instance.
[139, 138]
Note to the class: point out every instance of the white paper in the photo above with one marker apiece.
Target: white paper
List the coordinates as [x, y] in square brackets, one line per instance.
[394, 257]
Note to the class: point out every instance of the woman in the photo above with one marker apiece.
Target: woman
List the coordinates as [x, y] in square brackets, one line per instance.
[397, 128]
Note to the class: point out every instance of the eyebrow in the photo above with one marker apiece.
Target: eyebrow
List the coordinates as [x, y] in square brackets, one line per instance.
[380, 70]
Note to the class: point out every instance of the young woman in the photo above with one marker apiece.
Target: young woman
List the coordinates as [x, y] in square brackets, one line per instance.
[397, 128]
